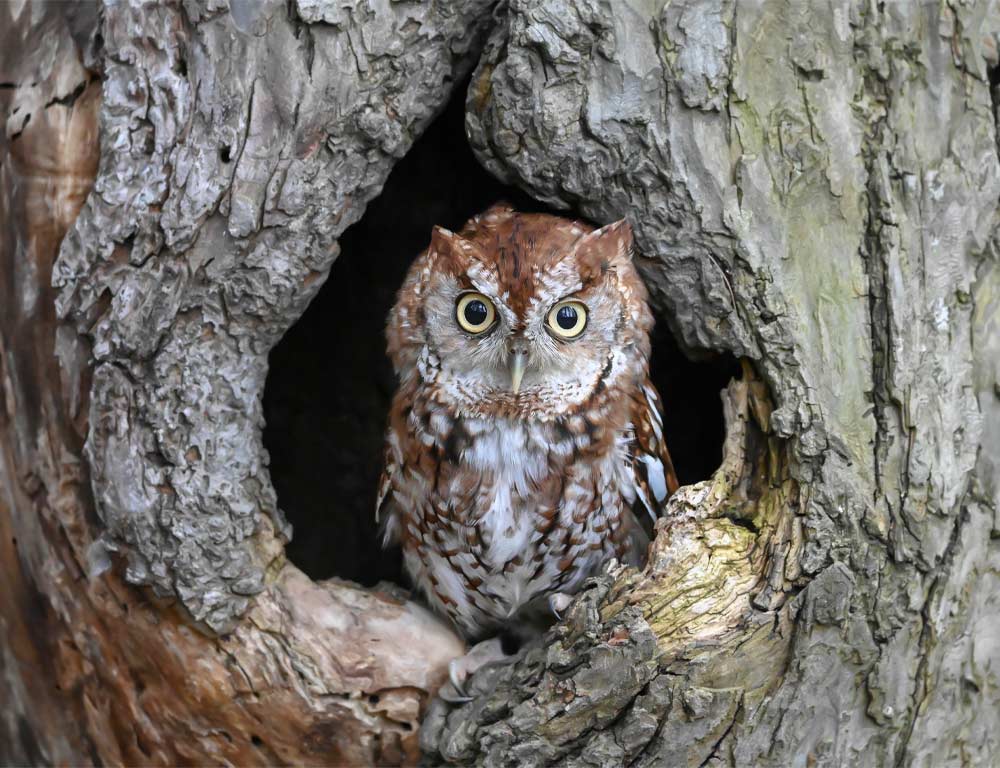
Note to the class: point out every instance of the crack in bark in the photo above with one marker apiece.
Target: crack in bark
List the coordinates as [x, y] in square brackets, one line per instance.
[921, 688]
[714, 752]
[188, 205]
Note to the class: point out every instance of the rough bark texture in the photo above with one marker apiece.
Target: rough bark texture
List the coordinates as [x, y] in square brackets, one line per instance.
[234, 147]
[815, 188]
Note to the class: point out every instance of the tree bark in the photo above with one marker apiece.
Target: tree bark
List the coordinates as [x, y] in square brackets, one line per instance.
[235, 146]
[813, 189]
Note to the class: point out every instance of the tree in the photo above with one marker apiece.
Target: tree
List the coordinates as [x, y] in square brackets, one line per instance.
[813, 189]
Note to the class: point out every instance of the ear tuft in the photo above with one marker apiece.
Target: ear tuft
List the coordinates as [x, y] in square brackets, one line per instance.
[499, 210]
[453, 248]
[608, 246]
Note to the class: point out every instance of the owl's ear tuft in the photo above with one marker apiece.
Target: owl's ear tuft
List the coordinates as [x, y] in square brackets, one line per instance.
[453, 249]
[499, 210]
[606, 247]
[442, 240]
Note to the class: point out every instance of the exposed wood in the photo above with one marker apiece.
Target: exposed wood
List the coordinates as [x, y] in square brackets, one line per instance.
[813, 189]
[95, 670]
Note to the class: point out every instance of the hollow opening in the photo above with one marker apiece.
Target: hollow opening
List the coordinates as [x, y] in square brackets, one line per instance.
[330, 382]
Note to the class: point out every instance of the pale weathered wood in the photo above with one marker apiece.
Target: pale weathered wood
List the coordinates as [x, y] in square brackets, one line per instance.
[94, 670]
[813, 188]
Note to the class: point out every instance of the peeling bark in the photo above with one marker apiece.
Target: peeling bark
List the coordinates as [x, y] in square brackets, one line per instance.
[235, 146]
[814, 189]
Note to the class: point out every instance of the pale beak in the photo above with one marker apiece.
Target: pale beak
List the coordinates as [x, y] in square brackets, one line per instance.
[517, 362]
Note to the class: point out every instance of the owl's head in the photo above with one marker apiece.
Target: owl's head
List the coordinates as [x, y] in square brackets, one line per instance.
[521, 315]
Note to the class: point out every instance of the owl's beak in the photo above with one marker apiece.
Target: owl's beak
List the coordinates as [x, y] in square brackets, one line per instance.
[517, 361]
[516, 371]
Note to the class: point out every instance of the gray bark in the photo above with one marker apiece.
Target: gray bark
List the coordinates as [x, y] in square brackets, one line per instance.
[235, 150]
[813, 188]
[236, 144]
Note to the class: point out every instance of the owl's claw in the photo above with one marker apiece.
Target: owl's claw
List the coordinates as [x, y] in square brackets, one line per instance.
[559, 602]
[462, 668]
[454, 690]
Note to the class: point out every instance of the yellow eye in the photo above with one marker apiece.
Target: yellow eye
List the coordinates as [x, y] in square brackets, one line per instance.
[475, 312]
[567, 319]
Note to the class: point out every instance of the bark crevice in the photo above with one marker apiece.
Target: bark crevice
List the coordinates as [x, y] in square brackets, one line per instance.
[829, 595]
[869, 515]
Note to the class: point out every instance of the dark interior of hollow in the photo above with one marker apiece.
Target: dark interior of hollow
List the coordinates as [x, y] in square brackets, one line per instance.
[330, 383]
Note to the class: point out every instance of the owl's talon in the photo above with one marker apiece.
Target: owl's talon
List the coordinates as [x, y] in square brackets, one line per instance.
[462, 668]
[453, 698]
[454, 690]
[559, 602]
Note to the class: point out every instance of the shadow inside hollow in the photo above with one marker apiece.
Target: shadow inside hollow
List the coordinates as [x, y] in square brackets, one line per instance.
[330, 382]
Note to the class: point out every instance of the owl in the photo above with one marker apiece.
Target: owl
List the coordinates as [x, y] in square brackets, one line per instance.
[525, 441]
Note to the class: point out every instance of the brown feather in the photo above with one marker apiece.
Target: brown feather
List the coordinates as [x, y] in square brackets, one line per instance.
[500, 499]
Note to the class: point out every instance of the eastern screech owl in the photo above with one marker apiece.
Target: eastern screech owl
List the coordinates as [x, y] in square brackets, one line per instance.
[525, 435]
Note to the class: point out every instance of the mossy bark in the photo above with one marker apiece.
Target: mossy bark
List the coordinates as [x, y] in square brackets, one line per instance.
[813, 189]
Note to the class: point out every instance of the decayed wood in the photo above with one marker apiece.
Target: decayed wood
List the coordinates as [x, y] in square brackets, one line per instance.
[828, 597]
[93, 669]
[815, 189]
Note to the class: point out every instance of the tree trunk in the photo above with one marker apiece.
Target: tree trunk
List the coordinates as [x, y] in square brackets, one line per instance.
[813, 189]
[234, 149]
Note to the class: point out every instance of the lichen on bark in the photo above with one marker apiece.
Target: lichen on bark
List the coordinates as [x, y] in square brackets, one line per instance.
[236, 147]
[794, 202]
[812, 189]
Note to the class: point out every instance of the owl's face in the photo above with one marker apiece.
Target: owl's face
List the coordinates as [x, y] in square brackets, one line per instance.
[521, 315]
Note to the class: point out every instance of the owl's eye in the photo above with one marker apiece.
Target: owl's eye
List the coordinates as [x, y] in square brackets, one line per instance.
[567, 319]
[475, 312]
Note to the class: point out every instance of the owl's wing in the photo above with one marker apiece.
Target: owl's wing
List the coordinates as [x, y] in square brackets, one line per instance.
[652, 469]
[386, 514]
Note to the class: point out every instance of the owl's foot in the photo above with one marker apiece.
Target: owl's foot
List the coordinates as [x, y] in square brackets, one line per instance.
[559, 602]
[462, 668]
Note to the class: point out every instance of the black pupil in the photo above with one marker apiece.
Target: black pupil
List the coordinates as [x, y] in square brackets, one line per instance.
[476, 312]
[566, 317]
